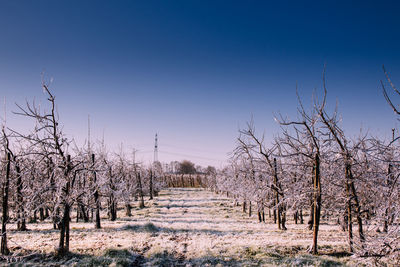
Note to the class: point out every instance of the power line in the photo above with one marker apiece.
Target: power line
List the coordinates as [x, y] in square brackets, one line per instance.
[177, 154]
[190, 149]
[191, 156]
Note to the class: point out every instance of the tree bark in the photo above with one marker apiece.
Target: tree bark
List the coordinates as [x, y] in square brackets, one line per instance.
[317, 204]
[63, 246]
[96, 195]
[388, 182]
[128, 210]
[151, 185]
[301, 217]
[112, 208]
[249, 208]
[112, 205]
[21, 224]
[6, 185]
[349, 216]
[277, 204]
[352, 195]
[141, 199]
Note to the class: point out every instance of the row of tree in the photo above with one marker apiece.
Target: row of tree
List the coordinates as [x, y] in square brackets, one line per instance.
[313, 167]
[44, 175]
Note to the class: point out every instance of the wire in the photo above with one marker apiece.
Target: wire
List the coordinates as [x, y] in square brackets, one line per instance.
[192, 156]
[190, 149]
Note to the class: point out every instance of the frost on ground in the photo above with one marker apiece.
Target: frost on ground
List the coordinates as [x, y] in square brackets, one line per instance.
[181, 227]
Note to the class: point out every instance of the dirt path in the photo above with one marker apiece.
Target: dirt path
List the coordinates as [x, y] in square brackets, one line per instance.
[186, 227]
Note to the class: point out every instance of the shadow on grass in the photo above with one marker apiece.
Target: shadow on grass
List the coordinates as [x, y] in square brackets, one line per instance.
[187, 206]
[121, 257]
[29, 231]
[172, 221]
[139, 228]
[151, 228]
[169, 213]
[190, 200]
[118, 257]
[131, 257]
[337, 254]
[303, 260]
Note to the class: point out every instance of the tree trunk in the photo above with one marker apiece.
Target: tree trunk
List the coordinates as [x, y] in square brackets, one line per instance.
[151, 185]
[41, 214]
[311, 217]
[34, 217]
[249, 208]
[112, 208]
[388, 182]
[128, 209]
[283, 220]
[262, 211]
[358, 211]
[6, 185]
[63, 246]
[21, 224]
[112, 204]
[83, 212]
[317, 204]
[56, 218]
[277, 204]
[352, 195]
[301, 217]
[96, 195]
[141, 199]
[349, 218]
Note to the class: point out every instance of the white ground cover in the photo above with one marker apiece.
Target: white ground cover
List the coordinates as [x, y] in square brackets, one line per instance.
[182, 227]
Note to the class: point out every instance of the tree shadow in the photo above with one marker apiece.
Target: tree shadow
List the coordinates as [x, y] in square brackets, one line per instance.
[182, 206]
[148, 227]
[336, 254]
[169, 213]
[151, 228]
[171, 221]
[118, 257]
[190, 200]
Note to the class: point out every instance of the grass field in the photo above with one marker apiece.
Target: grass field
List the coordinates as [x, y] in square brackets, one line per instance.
[181, 227]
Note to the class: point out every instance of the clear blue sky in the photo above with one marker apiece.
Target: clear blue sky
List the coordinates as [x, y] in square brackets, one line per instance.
[195, 71]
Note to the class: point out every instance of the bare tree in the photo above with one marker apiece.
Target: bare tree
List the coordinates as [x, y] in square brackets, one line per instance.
[48, 135]
[252, 145]
[5, 194]
[304, 142]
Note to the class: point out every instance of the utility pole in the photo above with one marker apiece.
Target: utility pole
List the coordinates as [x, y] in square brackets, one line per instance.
[89, 148]
[156, 149]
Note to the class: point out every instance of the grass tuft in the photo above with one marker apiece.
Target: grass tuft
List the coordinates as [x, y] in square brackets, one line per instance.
[150, 228]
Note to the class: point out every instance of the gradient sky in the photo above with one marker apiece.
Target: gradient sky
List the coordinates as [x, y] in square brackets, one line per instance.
[196, 71]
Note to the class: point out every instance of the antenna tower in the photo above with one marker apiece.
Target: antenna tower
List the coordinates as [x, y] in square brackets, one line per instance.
[156, 149]
[89, 151]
